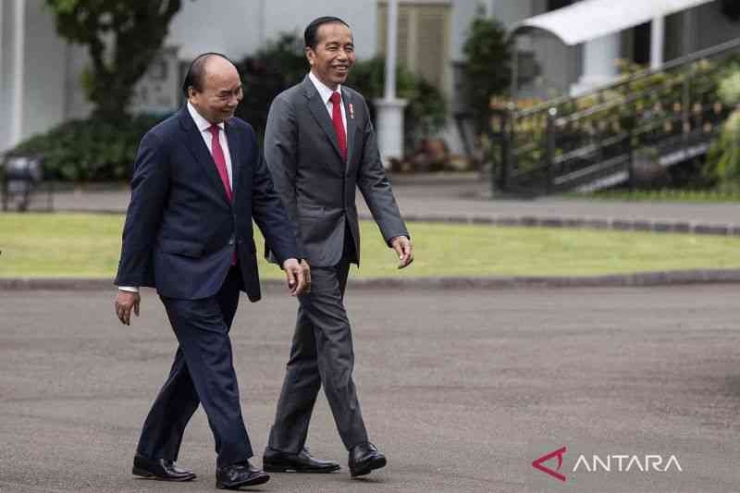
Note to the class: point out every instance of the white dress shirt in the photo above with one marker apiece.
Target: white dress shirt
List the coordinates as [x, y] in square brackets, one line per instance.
[203, 126]
[325, 94]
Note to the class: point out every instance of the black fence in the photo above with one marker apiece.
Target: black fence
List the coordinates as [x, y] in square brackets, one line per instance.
[600, 139]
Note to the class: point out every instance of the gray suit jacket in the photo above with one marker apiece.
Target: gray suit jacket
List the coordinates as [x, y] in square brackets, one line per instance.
[316, 186]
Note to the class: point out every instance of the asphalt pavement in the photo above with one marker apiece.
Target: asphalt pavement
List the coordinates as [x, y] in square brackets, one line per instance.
[462, 389]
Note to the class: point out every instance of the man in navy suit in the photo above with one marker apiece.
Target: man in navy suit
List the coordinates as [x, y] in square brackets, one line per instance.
[199, 182]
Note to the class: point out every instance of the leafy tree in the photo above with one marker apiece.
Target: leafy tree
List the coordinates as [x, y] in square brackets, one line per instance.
[122, 37]
[274, 68]
[487, 67]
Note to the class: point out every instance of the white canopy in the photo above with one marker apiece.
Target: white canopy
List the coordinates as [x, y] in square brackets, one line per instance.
[591, 19]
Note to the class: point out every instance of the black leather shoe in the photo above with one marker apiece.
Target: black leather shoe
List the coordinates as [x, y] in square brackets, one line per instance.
[364, 458]
[276, 461]
[234, 476]
[161, 469]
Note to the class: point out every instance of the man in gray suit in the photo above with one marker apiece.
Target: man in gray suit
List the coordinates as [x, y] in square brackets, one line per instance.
[320, 146]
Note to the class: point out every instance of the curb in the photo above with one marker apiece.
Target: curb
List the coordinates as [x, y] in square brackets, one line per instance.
[615, 224]
[583, 223]
[641, 279]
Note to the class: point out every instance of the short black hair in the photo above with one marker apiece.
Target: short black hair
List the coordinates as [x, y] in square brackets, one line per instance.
[197, 71]
[311, 34]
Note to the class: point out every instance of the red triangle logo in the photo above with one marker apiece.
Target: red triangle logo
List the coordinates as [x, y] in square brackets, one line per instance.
[539, 464]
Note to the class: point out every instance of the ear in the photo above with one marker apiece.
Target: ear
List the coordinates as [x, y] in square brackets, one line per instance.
[191, 93]
[310, 55]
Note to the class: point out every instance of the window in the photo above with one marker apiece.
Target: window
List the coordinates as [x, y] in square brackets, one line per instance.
[423, 39]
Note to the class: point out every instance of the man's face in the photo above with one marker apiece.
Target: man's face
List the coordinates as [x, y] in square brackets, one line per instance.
[334, 54]
[222, 91]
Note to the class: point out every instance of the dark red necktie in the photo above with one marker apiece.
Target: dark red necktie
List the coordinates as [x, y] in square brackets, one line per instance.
[336, 119]
[220, 159]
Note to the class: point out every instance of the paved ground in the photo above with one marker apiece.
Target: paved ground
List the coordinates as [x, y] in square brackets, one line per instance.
[462, 389]
[468, 196]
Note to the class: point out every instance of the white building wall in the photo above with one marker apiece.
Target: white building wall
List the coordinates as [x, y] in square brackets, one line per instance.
[236, 28]
[44, 94]
[239, 27]
[77, 106]
[6, 77]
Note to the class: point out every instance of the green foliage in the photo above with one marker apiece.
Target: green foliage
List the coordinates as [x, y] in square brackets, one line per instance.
[487, 67]
[278, 66]
[729, 83]
[122, 37]
[282, 64]
[89, 150]
[723, 161]
[426, 112]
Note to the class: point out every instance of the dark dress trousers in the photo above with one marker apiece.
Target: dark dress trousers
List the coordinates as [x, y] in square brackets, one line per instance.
[318, 189]
[181, 236]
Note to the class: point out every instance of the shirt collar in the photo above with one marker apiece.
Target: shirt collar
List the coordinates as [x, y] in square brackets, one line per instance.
[324, 91]
[200, 122]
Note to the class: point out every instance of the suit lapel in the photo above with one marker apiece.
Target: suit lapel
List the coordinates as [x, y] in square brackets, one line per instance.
[233, 141]
[349, 110]
[320, 113]
[194, 142]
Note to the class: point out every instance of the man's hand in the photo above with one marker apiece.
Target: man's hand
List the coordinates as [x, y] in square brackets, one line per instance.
[125, 303]
[405, 250]
[298, 276]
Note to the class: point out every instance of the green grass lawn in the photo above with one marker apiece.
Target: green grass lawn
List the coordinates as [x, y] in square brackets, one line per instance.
[85, 245]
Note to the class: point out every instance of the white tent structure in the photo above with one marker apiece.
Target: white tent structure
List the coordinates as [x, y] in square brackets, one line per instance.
[597, 24]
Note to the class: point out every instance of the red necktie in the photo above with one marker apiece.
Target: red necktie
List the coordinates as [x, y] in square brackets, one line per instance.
[336, 119]
[220, 160]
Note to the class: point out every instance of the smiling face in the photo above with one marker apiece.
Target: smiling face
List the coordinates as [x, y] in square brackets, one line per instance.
[221, 91]
[334, 54]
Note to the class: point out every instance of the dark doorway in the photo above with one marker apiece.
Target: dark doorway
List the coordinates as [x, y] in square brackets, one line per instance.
[641, 44]
[557, 4]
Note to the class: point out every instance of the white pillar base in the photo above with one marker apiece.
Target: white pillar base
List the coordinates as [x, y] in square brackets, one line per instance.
[600, 57]
[389, 114]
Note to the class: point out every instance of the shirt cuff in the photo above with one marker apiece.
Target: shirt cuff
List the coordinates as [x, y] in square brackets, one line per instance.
[128, 289]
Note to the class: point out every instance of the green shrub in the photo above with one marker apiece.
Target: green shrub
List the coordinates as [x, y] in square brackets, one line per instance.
[723, 161]
[90, 150]
[729, 86]
[278, 66]
[426, 112]
[488, 54]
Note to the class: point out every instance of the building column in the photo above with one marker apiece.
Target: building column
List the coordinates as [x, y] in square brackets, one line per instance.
[2, 8]
[19, 35]
[389, 110]
[600, 57]
[657, 39]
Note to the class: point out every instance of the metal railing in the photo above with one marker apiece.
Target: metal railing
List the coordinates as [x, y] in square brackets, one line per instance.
[665, 115]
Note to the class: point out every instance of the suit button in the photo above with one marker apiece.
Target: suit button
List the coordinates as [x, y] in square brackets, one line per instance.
[231, 241]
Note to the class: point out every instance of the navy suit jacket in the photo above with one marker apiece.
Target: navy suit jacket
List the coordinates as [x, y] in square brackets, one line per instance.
[181, 230]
